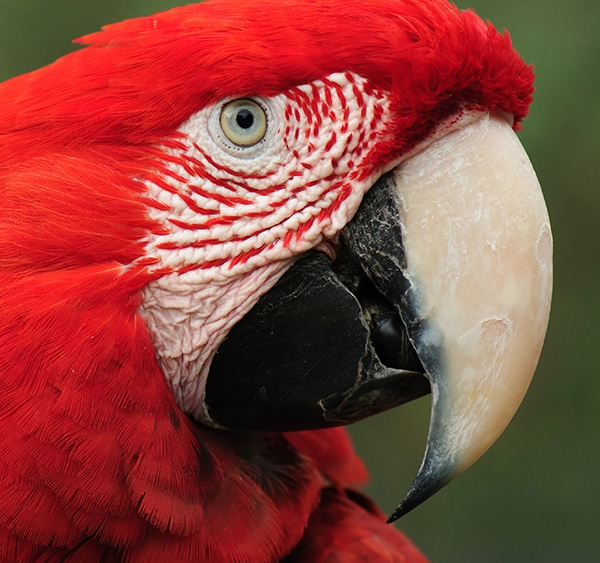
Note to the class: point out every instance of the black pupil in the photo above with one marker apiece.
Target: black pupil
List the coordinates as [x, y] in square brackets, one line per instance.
[244, 119]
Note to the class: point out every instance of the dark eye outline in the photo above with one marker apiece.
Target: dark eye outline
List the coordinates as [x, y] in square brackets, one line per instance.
[243, 122]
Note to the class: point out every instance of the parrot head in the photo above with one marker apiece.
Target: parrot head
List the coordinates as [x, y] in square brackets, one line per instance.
[299, 213]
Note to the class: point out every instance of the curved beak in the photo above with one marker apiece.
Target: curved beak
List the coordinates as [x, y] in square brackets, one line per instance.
[445, 271]
[478, 251]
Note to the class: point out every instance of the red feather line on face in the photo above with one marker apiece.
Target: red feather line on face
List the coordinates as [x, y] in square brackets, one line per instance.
[297, 193]
[320, 153]
[96, 461]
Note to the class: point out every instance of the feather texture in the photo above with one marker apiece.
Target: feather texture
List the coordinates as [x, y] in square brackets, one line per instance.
[98, 463]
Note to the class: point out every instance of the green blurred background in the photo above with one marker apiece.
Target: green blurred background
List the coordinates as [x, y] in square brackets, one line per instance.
[535, 496]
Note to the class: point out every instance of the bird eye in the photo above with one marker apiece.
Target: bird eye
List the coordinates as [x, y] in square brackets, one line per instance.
[243, 122]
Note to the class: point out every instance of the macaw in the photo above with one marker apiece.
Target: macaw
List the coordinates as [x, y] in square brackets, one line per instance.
[234, 227]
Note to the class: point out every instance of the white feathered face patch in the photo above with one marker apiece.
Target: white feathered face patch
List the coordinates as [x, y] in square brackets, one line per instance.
[246, 185]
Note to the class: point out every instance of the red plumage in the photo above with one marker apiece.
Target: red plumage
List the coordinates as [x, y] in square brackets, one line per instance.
[97, 461]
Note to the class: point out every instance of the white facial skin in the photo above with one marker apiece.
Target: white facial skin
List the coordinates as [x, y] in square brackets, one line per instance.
[235, 217]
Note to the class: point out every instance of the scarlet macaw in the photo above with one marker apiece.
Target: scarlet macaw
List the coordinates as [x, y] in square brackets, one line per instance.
[232, 227]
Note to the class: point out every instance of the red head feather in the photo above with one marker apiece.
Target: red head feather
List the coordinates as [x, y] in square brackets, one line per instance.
[140, 79]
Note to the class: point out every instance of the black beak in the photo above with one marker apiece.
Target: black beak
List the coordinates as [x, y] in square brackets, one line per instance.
[324, 347]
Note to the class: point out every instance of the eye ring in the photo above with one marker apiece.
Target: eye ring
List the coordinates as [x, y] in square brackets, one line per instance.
[243, 122]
